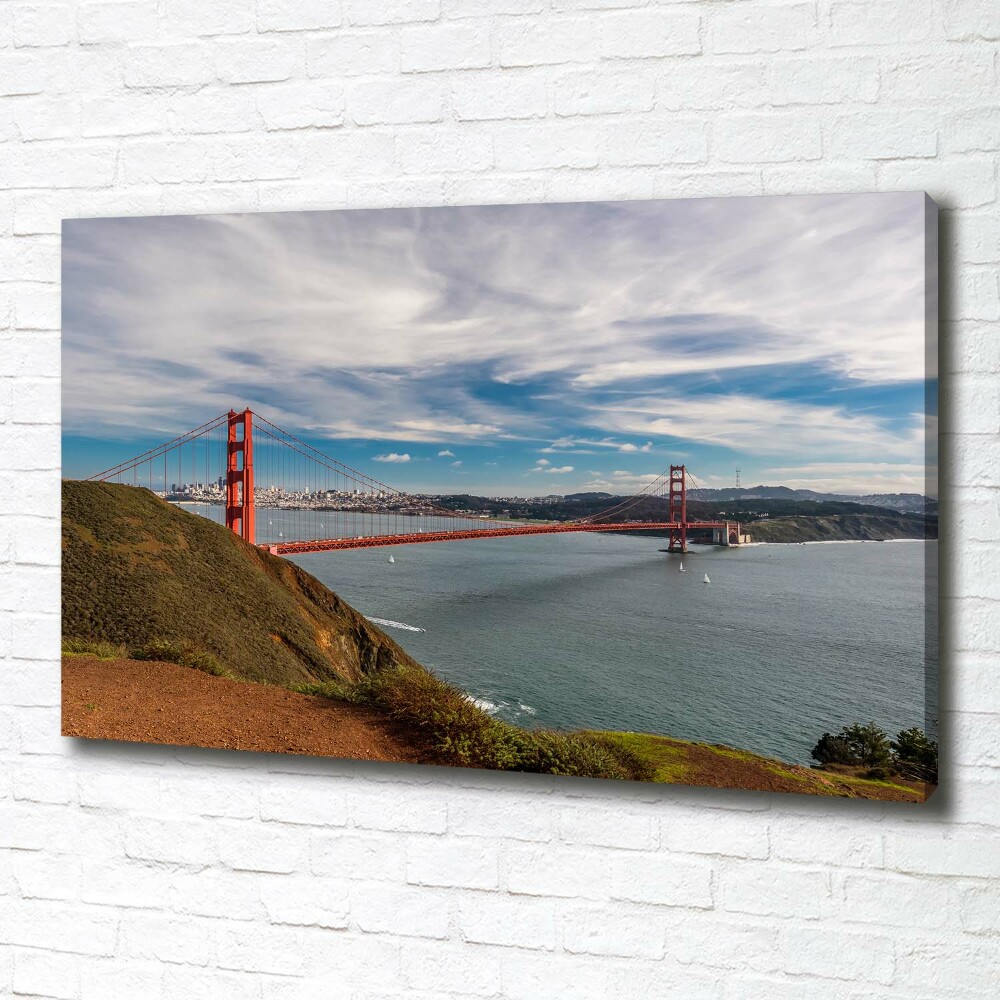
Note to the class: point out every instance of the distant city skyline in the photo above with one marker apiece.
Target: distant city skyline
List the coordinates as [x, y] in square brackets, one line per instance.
[519, 350]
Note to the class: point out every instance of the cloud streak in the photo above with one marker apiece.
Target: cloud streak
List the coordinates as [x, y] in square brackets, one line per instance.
[610, 328]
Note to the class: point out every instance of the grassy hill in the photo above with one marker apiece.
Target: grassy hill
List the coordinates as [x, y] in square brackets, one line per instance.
[137, 570]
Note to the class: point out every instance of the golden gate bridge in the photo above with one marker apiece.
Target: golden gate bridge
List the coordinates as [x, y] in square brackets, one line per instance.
[256, 470]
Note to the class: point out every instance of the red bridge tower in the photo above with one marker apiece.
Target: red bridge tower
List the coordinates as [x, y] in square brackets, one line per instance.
[678, 509]
[239, 476]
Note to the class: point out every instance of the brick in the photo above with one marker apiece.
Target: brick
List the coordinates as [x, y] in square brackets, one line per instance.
[608, 828]
[109, 23]
[822, 81]
[57, 927]
[45, 876]
[510, 94]
[213, 892]
[166, 938]
[606, 930]
[489, 8]
[258, 60]
[353, 54]
[440, 967]
[743, 29]
[662, 879]
[443, 47]
[768, 890]
[112, 979]
[967, 968]
[527, 976]
[690, 87]
[883, 22]
[546, 41]
[401, 910]
[677, 140]
[254, 847]
[898, 901]
[846, 845]
[262, 948]
[298, 15]
[650, 34]
[296, 105]
[175, 65]
[745, 139]
[603, 92]
[39, 973]
[192, 17]
[391, 102]
[967, 19]
[442, 862]
[884, 135]
[444, 152]
[548, 871]
[979, 909]
[391, 11]
[212, 110]
[305, 900]
[512, 921]
[356, 855]
[937, 79]
[43, 24]
[866, 957]
[169, 841]
[545, 146]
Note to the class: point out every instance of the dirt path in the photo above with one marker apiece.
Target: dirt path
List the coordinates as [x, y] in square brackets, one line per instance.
[151, 702]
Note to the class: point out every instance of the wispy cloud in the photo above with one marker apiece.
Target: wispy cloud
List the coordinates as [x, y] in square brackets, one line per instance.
[573, 329]
[392, 457]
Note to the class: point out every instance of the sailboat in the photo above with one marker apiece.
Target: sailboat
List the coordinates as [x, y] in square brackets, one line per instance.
[707, 579]
[682, 567]
[391, 559]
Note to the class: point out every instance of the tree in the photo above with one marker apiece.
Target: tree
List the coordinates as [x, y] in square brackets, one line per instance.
[916, 756]
[833, 750]
[868, 743]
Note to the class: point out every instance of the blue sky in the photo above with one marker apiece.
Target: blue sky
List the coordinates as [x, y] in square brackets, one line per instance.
[526, 349]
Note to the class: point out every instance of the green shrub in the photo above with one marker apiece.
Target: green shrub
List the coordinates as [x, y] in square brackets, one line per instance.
[91, 647]
[334, 690]
[459, 732]
[182, 653]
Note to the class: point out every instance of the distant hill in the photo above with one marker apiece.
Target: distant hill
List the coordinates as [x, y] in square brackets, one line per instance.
[908, 502]
[783, 517]
[138, 570]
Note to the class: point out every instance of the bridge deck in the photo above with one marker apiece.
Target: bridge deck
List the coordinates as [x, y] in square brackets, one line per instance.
[414, 538]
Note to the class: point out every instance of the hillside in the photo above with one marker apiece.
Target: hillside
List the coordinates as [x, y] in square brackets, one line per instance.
[138, 570]
[843, 527]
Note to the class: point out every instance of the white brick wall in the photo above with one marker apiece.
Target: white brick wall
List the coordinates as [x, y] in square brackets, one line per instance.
[151, 872]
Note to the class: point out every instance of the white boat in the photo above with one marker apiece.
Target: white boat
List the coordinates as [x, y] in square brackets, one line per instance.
[707, 579]
[391, 559]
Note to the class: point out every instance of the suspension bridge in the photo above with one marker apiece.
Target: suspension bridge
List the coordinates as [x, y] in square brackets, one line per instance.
[275, 490]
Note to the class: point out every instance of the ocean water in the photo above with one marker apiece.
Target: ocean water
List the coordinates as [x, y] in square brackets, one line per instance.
[605, 632]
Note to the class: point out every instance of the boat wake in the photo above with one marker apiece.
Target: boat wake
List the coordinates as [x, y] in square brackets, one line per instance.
[392, 624]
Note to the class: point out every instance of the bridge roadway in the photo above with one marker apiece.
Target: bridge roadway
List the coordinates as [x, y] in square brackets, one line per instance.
[413, 538]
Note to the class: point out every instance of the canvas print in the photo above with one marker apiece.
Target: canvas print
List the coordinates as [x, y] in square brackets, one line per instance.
[641, 490]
